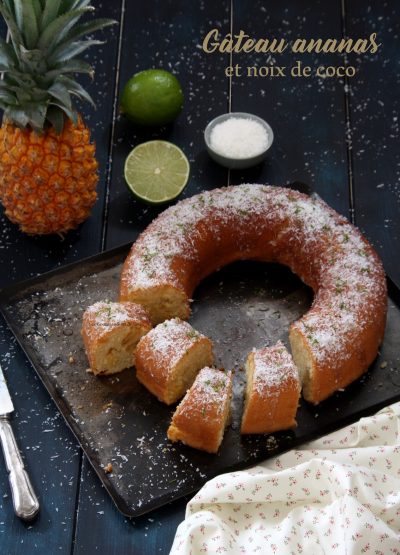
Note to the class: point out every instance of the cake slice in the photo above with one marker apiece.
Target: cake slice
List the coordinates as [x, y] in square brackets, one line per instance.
[201, 417]
[272, 392]
[169, 358]
[110, 334]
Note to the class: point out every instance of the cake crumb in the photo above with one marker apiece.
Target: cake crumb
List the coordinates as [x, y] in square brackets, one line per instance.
[108, 468]
[383, 364]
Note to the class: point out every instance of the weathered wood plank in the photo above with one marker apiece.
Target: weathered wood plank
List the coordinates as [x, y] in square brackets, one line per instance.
[374, 112]
[168, 34]
[102, 528]
[52, 458]
[49, 448]
[307, 115]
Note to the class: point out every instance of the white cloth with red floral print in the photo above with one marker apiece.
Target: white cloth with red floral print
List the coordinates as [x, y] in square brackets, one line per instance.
[338, 494]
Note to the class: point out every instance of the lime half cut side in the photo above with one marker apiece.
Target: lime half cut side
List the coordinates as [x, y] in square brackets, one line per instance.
[156, 171]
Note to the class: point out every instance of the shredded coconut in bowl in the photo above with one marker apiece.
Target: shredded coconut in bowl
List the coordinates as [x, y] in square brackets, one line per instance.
[239, 137]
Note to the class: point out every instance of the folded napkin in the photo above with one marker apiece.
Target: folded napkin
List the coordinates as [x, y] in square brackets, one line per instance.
[338, 494]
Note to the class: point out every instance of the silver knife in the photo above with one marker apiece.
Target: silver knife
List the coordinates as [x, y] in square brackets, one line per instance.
[26, 504]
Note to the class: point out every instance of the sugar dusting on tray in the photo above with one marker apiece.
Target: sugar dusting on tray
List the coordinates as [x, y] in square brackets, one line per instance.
[239, 137]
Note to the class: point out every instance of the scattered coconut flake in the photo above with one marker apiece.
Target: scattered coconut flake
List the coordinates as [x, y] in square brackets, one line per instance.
[207, 398]
[273, 367]
[168, 342]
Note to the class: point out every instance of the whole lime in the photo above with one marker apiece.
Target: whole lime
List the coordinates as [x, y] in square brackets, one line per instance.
[152, 97]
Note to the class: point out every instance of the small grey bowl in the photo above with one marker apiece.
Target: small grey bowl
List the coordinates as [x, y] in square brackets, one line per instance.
[237, 163]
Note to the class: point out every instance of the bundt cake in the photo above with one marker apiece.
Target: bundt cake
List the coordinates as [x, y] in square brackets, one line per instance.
[203, 414]
[110, 334]
[272, 391]
[169, 357]
[337, 339]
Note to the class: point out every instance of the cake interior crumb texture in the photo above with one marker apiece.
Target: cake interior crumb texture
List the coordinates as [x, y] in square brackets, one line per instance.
[111, 332]
[169, 358]
[115, 352]
[303, 360]
[203, 414]
[185, 371]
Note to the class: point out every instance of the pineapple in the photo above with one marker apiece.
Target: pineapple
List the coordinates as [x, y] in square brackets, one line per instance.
[48, 169]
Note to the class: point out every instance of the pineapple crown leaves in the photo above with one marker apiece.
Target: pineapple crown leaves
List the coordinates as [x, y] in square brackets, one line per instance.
[39, 62]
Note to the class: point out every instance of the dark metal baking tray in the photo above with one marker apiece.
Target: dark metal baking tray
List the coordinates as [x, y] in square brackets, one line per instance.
[115, 419]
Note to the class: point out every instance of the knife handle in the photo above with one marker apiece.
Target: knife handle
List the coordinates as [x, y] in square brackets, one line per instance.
[26, 504]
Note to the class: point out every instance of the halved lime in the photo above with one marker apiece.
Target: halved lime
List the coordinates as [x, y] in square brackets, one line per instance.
[156, 171]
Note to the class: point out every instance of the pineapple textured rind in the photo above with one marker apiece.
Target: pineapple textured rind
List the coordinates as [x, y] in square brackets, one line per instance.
[47, 182]
[48, 170]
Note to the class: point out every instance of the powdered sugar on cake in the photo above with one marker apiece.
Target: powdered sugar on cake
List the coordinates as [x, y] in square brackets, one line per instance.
[170, 340]
[105, 316]
[107, 313]
[273, 368]
[346, 274]
[209, 393]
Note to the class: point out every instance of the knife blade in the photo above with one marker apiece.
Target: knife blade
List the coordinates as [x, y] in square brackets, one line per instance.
[26, 504]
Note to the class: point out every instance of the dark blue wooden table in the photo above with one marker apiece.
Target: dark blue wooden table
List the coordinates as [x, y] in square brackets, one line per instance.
[341, 137]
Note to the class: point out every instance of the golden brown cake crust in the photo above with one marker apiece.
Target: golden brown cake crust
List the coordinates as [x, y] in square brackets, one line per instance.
[273, 392]
[166, 355]
[338, 338]
[201, 417]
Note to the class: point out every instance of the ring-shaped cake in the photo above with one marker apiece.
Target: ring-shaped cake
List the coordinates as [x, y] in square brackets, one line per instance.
[337, 339]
